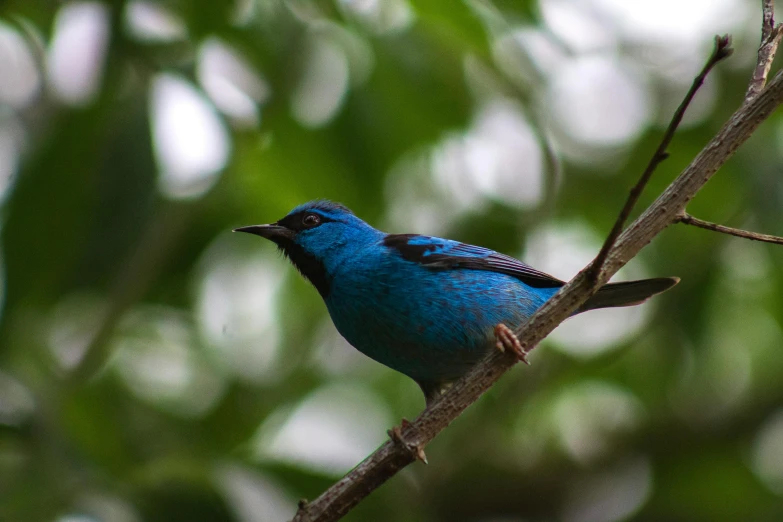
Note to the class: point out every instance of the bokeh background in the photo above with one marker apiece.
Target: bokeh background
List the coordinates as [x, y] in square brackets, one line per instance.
[155, 367]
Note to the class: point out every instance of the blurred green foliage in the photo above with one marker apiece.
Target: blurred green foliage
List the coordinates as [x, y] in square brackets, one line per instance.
[154, 367]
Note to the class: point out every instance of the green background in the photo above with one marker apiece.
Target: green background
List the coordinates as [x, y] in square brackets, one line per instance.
[155, 367]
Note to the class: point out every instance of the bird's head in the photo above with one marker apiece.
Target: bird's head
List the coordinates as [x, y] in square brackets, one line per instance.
[318, 237]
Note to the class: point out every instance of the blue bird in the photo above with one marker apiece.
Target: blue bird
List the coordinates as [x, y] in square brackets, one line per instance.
[424, 306]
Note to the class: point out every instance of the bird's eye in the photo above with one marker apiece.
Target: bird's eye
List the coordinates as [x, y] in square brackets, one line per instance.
[311, 220]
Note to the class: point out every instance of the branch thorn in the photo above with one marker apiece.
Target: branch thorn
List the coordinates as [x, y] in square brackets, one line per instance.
[301, 512]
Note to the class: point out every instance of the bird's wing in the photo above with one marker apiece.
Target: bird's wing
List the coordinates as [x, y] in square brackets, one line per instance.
[438, 253]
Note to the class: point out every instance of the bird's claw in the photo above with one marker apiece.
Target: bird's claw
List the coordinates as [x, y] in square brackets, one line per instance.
[507, 340]
[417, 450]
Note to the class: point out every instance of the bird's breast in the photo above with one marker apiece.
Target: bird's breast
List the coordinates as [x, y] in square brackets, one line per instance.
[428, 324]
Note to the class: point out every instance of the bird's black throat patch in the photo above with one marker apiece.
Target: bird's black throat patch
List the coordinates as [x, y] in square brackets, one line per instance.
[308, 265]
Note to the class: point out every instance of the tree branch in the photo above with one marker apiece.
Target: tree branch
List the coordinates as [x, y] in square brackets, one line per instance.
[770, 39]
[721, 51]
[696, 222]
[667, 209]
[391, 456]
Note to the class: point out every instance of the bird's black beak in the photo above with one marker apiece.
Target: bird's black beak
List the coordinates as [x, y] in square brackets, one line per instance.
[272, 232]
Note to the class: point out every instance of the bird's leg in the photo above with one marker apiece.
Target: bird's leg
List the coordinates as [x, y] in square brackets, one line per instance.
[506, 340]
[432, 390]
[395, 434]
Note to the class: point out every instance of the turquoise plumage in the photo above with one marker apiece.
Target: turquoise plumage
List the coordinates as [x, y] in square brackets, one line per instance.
[424, 306]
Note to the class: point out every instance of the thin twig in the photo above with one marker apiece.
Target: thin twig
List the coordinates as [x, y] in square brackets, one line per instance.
[770, 39]
[755, 236]
[721, 51]
[391, 457]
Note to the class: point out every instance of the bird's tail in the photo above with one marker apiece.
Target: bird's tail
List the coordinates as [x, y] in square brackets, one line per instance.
[628, 293]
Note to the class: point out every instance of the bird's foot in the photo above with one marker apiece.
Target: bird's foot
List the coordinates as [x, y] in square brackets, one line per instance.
[395, 434]
[506, 340]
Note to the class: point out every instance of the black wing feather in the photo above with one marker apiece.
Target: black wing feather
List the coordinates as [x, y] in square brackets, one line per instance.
[437, 253]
